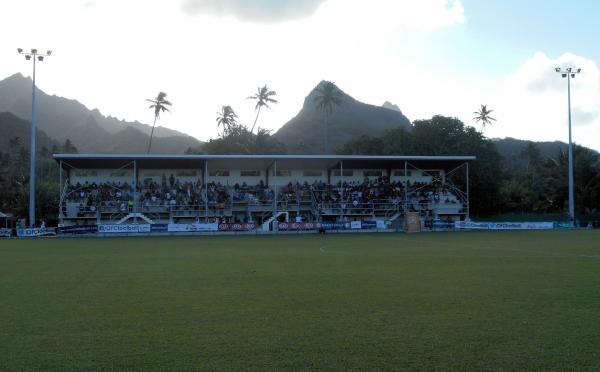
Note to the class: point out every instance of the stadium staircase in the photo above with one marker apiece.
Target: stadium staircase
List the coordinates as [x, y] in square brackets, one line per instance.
[135, 216]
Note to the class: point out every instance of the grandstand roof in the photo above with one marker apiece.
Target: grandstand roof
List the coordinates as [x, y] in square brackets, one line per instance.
[112, 161]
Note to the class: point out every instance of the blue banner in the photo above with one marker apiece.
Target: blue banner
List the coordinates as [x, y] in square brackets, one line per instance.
[333, 225]
[369, 225]
[83, 229]
[159, 228]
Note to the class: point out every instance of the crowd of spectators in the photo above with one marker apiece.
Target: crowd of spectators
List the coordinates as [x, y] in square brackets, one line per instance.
[173, 194]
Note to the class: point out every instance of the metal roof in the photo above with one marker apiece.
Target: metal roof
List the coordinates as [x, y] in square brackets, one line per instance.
[111, 161]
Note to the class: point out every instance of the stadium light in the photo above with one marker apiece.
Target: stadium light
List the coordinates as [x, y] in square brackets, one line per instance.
[570, 73]
[32, 56]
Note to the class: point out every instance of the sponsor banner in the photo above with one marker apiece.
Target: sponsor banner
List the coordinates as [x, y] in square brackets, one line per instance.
[443, 225]
[297, 226]
[237, 226]
[123, 229]
[521, 225]
[356, 225]
[369, 225]
[28, 233]
[333, 225]
[159, 228]
[83, 229]
[6, 233]
[468, 225]
[504, 225]
[564, 225]
[192, 227]
[381, 224]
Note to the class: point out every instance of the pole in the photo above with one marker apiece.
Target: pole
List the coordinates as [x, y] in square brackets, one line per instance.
[275, 188]
[60, 190]
[206, 191]
[468, 198]
[32, 155]
[405, 188]
[571, 192]
[342, 184]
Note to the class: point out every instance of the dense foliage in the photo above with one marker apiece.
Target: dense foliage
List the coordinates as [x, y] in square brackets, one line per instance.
[525, 182]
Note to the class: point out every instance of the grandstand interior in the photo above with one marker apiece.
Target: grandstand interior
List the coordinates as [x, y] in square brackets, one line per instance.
[259, 189]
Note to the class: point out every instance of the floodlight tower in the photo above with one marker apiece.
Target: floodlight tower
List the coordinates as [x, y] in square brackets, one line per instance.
[570, 73]
[33, 55]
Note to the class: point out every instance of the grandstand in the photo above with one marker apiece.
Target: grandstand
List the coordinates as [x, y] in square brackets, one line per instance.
[257, 190]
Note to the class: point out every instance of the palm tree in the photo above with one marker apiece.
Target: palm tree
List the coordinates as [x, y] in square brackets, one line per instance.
[483, 116]
[226, 119]
[159, 104]
[328, 96]
[263, 98]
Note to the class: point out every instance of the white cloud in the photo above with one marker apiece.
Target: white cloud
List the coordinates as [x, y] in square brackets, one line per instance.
[255, 10]
[115, 54]
[532, 103]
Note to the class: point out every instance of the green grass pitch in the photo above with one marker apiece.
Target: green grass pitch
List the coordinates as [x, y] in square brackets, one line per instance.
[463, 301]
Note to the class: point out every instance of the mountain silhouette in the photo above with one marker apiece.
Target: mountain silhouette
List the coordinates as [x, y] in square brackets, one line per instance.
[305, 133]
[90, 131]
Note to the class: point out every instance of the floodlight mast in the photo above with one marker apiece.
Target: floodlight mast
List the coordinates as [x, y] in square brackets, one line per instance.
[570, 73]
[34, 56]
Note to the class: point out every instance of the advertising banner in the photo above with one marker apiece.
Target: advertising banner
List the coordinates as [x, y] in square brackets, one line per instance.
[333, 225]
[468, 225]
[303, 226]
[237, 226]
[503, 225]
[356, 225]
[369, 225]
[159, 228]
[193, 227]
[5, 233]
[123, 229]
[442, 225]
[31, 233]
[83, 229]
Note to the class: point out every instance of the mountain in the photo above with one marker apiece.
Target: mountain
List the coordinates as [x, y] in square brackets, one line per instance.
[90, 131]
[12, 127]
[305, 133]
[390, 106]
[512, 147]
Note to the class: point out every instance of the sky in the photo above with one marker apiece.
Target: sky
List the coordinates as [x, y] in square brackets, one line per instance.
[429, 57]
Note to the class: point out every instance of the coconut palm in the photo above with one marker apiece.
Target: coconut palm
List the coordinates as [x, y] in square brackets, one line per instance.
[263, 98]
[483, 116]
[226, 118]
[159, 104]
[328, 96]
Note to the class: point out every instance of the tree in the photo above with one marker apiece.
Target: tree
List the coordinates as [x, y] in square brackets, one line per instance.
[159, 104]
[483, 116]
[226, 118]
[328, 96]
[69, 148]
[263, 98]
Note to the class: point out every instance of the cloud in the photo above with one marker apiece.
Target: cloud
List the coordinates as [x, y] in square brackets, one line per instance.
[254, 10]
[532, 103]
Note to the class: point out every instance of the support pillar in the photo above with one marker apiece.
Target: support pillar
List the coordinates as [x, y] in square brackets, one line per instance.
[468, 218]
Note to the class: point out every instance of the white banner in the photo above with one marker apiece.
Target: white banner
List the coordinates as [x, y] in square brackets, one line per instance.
[30, 233]
[193, 227]
[381, 224]
[123, 229]
[355, 225]
[6, 232]
[464, 225]
[521, 225]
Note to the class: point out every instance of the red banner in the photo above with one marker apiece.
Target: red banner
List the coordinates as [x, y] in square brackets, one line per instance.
[292, 226]
[237, 226]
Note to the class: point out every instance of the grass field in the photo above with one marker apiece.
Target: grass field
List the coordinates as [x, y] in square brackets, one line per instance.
[527, 300]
